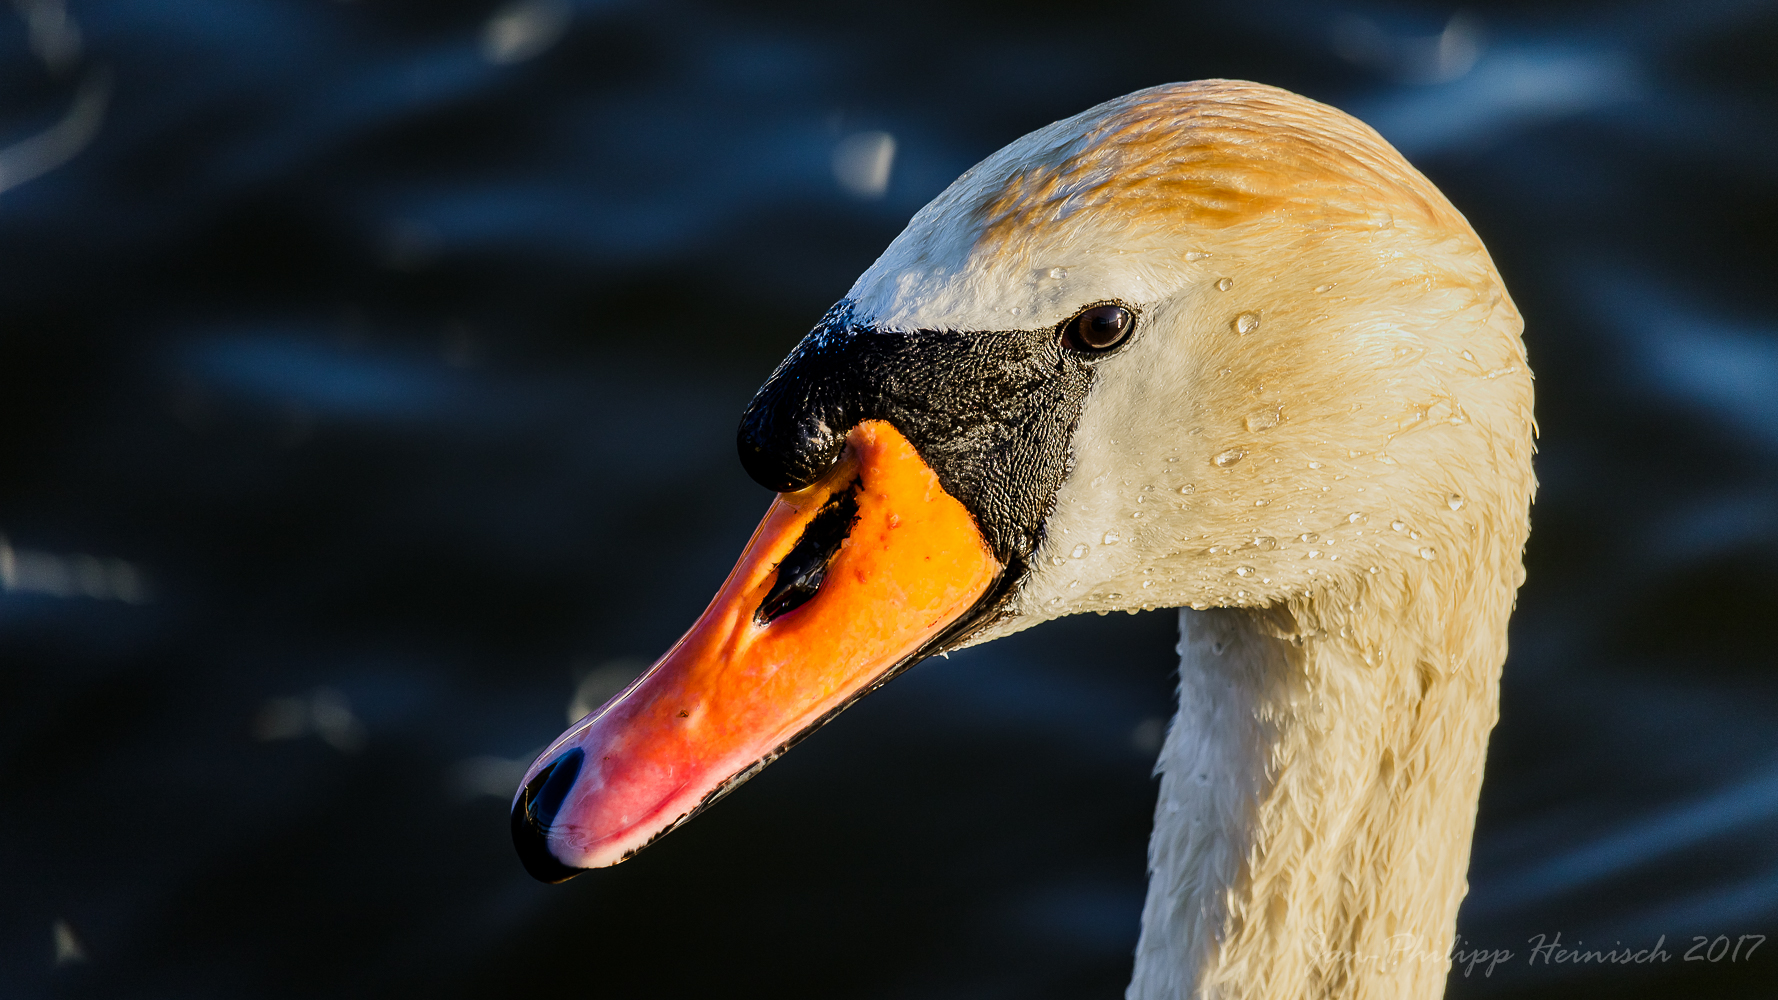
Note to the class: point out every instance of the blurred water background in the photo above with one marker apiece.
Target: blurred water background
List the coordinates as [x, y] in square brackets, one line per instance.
[368, 379]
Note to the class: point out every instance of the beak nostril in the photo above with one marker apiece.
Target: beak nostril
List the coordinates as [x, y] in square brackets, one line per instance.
[803, 569]
[534, 811]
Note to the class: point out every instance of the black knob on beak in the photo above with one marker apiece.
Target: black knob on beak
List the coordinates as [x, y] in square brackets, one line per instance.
[794, 429]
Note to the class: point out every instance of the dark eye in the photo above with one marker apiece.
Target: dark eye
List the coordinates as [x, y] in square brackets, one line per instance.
[1098, 329]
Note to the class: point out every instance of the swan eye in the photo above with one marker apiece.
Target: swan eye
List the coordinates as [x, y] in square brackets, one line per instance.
[1098, 329]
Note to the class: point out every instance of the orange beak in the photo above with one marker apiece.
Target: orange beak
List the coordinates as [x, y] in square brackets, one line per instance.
[843, 584]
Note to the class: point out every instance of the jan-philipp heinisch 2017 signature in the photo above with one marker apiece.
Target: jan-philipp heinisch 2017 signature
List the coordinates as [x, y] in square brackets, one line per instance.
[1549, 949]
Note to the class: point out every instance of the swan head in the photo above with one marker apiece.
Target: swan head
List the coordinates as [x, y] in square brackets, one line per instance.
[1209, 344]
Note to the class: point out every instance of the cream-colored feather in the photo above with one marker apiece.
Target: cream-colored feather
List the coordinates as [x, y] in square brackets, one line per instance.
[1321, 439]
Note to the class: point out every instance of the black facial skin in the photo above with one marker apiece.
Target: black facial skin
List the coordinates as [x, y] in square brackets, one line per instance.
[992, 413]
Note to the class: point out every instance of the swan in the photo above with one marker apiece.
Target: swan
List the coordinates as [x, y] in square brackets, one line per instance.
[1209, 346]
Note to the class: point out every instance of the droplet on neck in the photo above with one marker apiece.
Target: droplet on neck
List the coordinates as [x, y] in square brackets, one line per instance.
[1324, 288]
[1265, 419]
[1246, 322]
[1229, 457]
[1188, 489]
[1058, 273]
[1112, 538]
[1080, 551]
[1354, 517]
[1425, 553]
[1454, 501]
[1399, 525]
[1245, 571]
[1195, 255]
[1224, 284]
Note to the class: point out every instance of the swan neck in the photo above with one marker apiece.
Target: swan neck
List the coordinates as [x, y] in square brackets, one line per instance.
[1318, 794]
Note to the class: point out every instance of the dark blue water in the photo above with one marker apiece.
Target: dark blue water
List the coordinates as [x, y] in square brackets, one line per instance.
[368, 379]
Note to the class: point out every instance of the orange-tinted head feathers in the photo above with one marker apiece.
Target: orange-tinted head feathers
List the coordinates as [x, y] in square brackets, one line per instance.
[1208, 155]
[1138, 188]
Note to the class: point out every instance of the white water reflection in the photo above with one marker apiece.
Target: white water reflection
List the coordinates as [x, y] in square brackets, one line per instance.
[600, 683]
[489, 776]
[31, 158]
[862, 162]
[1748, 806]
[1414, 59]
[68, 948]
[29, 571]
[54, 36]
[524, 30]
[324, 712]
[1511, 88]
[1691, 352]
